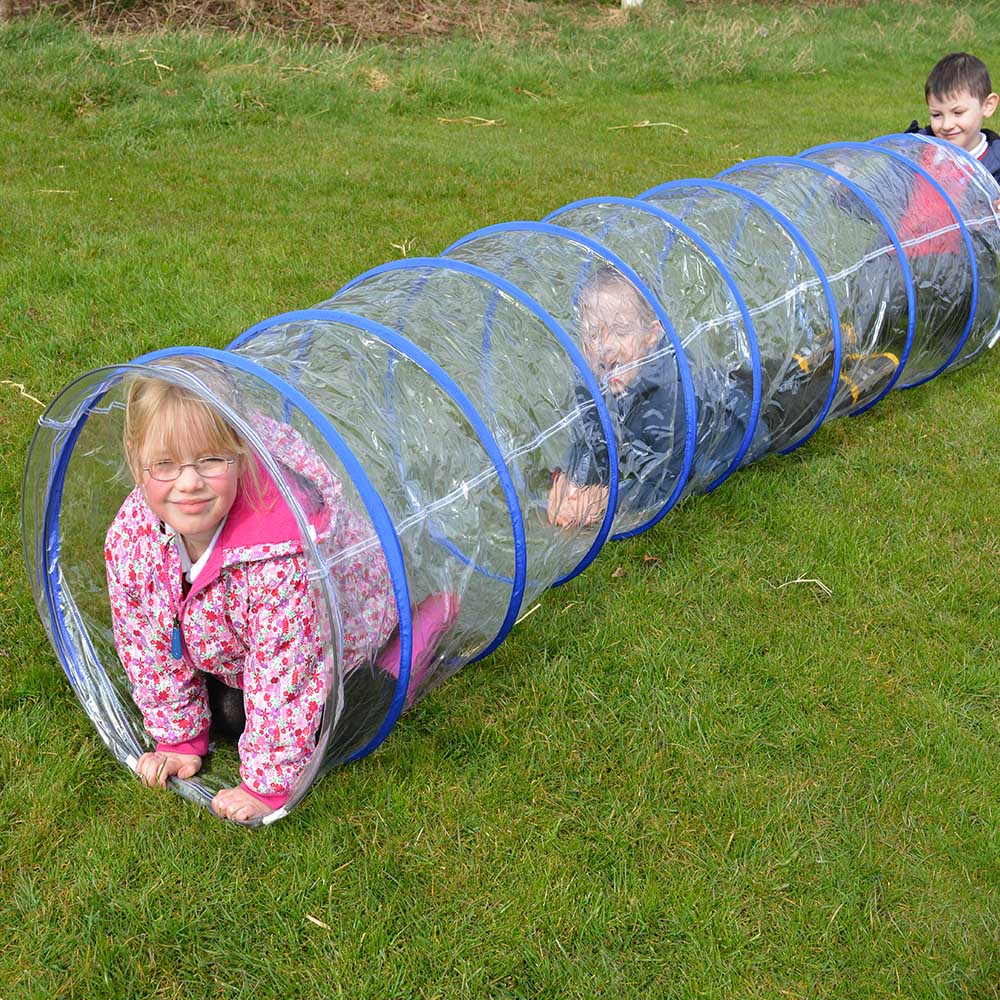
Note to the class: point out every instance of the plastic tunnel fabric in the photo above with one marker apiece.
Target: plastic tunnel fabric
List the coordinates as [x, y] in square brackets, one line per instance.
[973, 191]
[709, 316]
[790, 185]
[793, 308]
[451, 436]
[512, 339]
[528, 254]
[935, 197]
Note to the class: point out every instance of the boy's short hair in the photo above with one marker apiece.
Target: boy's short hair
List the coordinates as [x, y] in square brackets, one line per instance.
[956, 74]
[607, 278]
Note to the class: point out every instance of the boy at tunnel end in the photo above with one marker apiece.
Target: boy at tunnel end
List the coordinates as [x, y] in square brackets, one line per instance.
[960, 97]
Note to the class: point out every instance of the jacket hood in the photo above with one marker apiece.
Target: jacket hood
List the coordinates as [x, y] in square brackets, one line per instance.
[264, 517]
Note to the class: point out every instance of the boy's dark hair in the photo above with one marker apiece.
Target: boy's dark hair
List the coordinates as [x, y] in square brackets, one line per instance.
[956, 74]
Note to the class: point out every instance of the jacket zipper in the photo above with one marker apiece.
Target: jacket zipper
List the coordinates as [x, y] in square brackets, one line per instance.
[176, 648]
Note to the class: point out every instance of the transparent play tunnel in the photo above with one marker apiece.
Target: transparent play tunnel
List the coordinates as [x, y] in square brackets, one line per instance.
[451, 436]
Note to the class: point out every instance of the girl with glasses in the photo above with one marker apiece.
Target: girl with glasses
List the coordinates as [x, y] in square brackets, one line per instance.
[214, 617]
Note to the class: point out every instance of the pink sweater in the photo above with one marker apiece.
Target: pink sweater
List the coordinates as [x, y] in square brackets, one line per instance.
[250, 618]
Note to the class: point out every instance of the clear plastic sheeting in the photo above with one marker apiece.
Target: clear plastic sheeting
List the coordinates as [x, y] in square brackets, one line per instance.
[597, 298]
[843, 228]
[454, 435]
[927, 194]
[788, 294]
[709, 317]
[973, 191]
[492, 340]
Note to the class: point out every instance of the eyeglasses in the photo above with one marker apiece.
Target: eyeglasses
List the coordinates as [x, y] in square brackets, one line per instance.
[209, 467]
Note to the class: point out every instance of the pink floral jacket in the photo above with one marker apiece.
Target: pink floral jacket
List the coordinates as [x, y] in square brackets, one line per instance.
[250, 618]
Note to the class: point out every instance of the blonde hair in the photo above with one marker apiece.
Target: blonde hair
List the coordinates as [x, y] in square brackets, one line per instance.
[608, 279]
[163, 413]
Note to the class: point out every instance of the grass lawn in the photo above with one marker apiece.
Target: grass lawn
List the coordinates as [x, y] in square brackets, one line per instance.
[751, 753]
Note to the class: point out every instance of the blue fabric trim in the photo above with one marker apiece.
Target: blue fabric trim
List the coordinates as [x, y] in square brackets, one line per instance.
[414, 353]
[412, 263]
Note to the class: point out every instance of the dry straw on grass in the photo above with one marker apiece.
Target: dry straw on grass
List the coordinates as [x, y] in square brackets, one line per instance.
[474, 120]
[21, 390]
[342, 20]
[646, 123]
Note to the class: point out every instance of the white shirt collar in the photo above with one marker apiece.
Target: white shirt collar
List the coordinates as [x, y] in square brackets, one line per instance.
[191, 570]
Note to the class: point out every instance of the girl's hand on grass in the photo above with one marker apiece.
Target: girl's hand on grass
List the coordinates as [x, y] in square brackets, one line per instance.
[156, 768]
[238, 804]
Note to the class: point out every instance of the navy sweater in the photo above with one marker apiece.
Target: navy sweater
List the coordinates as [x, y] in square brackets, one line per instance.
[650, 421]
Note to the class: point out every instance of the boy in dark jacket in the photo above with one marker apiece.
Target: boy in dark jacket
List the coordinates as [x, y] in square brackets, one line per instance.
[626, 348]
[960, 97]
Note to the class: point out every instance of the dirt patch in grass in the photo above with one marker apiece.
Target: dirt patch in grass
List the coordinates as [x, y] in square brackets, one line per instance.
[365, 20]
[335, 20]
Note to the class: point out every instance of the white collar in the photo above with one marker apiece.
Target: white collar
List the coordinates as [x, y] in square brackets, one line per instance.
[191, 570]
